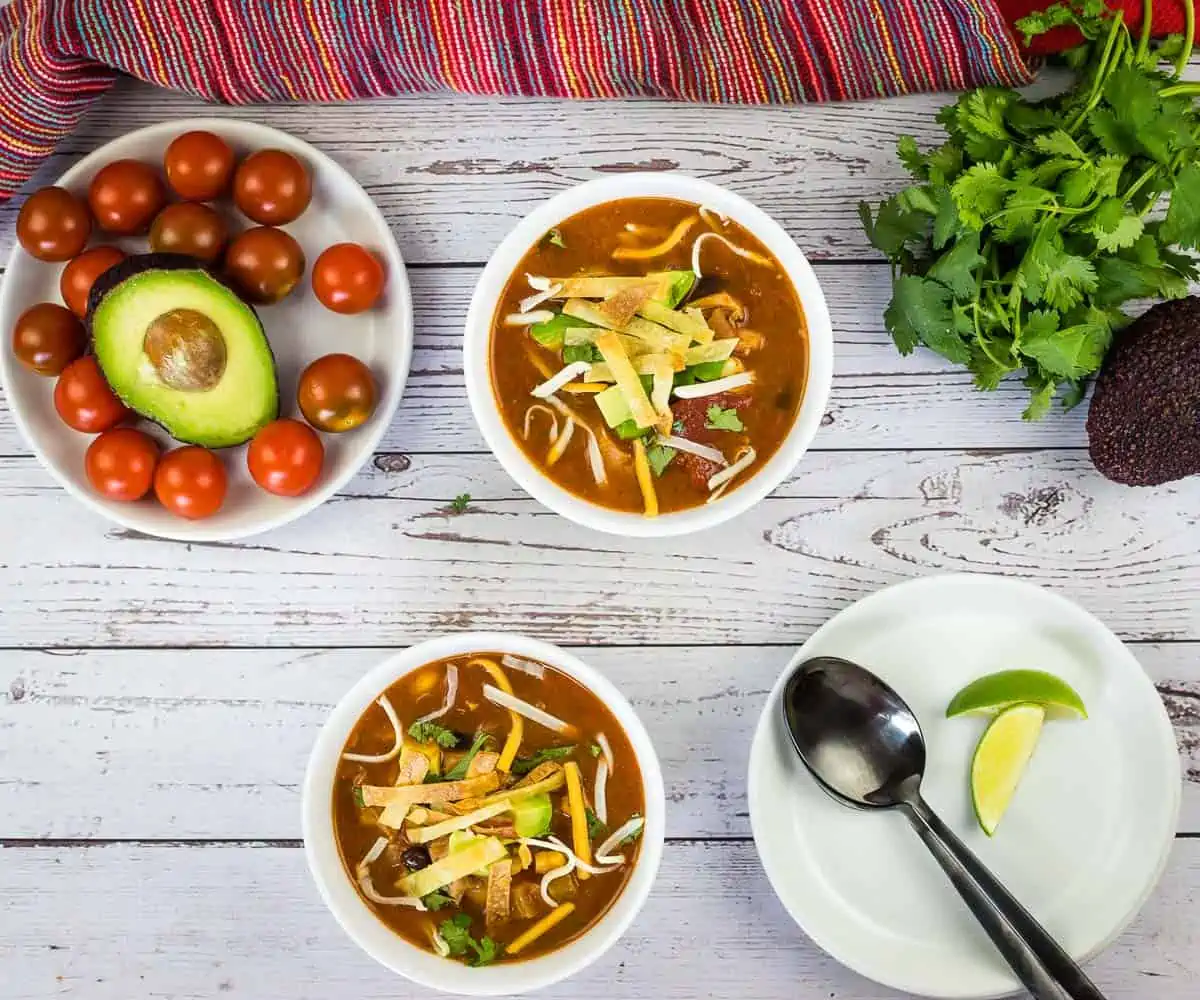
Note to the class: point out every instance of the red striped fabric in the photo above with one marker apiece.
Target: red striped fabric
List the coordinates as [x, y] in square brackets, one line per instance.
[57, 56]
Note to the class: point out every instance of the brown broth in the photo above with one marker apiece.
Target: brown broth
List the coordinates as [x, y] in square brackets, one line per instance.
[773, 310]
[420, 692]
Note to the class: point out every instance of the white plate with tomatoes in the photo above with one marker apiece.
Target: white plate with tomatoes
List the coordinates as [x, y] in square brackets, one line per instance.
[296, 236]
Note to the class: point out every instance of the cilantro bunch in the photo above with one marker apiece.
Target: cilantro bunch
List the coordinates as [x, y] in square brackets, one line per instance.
[1028, 228]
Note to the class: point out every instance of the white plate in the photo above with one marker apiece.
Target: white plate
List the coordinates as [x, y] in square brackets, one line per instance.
[1086, 836]
[300, 330]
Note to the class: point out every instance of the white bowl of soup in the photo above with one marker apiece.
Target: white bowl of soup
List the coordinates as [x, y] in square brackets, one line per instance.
[648, 354]
[483, 814]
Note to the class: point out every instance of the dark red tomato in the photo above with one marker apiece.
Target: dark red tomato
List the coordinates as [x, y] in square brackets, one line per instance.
[77, 278]
[125, 195]
[190, 482]
[53, 224]
[47, 338]
[120, 463]
[347, 278]
[285, 458]
[264, 264]
[272, 187]
[84, 400]
[337, 393]
[190, 228]
[199, 165]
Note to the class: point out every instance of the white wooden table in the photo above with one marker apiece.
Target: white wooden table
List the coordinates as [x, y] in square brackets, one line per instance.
[158, 699]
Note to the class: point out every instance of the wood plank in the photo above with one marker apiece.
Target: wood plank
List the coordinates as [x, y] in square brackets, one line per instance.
[389, 569]
[455, 173]
[196, 922]
[880, 399]
[211, 744]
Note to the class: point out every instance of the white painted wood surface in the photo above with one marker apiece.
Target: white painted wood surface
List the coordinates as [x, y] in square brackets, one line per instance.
[157, 700]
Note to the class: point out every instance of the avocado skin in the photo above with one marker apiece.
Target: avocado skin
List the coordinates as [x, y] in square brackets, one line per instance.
[137, 264]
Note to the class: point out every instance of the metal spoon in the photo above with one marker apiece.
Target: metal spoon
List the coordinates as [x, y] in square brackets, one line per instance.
[864, 746]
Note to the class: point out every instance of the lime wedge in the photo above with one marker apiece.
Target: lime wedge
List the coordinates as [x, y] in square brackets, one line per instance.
[996, 692]
[1000, 759]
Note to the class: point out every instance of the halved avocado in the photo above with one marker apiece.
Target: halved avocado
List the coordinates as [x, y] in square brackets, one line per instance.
[180, 348]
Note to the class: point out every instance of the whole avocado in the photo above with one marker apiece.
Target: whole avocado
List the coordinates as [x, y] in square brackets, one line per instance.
[1144, 423]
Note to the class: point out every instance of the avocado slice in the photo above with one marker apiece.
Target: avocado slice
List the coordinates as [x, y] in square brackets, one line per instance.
[180, 348]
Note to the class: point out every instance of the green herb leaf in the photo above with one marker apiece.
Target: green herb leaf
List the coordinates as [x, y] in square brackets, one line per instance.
[555, 238]
[893, 227]
[723, 420]
[594, 825]
[979, 194]
[595, 749]
[659, 456]
[1182, 224]
[955, 268]
[485, 952]
[580, 352]
[910, 155]
[459, 504]
[523, 765]
[460, 769]
[431, 732]
[920, 313]
[1068, 352]
[436, 901]
[456, 932]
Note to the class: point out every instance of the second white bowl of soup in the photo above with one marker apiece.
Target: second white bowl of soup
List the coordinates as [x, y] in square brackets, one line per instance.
[483, 814]
[648, 354]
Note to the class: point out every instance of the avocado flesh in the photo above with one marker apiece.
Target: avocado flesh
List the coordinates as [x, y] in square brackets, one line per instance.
[242, 400]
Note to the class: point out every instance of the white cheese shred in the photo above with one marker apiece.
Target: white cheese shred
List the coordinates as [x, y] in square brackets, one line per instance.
[537, 298]
[530, 712]
[606, 749]
[740, 251]
[448, 700]
[600, 792]
[559, 379]
[531, 667]
[699, 389]
[528, 318]
[626, 829]
[693, 448]
[552, 843]
[719, 479]
[538, 408]
[380, 758]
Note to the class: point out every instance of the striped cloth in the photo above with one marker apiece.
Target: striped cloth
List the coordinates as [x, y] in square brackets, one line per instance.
[57, 56]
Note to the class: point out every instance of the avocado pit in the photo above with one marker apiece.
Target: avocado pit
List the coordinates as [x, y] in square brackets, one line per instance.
[186, 349]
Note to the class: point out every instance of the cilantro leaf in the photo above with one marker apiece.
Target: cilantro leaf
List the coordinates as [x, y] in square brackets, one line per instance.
[431, 732]
[659, 456]
[1058, 142]
[911, 157]
[723, 420]
[485, 951]
[893, 227]
[580, 352]
[920, 313]
[459, 504]
[1065, 278]
[594, 825]
[955, 268]
[1182, 225]
[456, 932]
[523, 765]
[1069, 352]
[555, 238]
[459, 770]
[436, 901]
[979, 193]
[595, 749]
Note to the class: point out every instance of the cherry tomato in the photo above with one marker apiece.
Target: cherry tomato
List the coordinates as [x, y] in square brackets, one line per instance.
[285, 458]
[53, 224]
[120, 463]
[84, 400]
[190, 482]
[75, 282]
[337, 393]
[272, 187]
[47, 338]
[189, 228]
[199, 165]
[264, 264]
[347, 278]
[125, 195]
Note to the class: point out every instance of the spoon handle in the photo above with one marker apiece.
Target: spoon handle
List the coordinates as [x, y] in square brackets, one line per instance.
[1037, 959]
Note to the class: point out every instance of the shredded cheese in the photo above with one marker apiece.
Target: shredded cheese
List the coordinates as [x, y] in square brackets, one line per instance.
[528, 318]
[517, 730]
[579, 828]
[547, 923]
[750, 255]
[641, 469]
[673, 240]
[559, 379]
[560, 444]
[698, 389]
[397, 730]
[725, 475]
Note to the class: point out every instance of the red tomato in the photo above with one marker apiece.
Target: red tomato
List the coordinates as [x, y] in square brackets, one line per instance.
[189, 228]
[347, 278]
[53, 224]
[272, 187]
[125, 195]
[336, 393]
[84, 400]
[285, 458]
[190, 482]
[47, 338]
[199, 165]
[264, 264]
[120, 463]
[77, 278]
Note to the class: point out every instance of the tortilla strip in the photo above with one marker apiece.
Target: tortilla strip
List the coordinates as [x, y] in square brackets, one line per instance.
[484, 763]
[688, 321]
[601, 286]
[499, 885]
[618, 309]
[433, 794]
[414, 766]
[610, 348]
[539, 773]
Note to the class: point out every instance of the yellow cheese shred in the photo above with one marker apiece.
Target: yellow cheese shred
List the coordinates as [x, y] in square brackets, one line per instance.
[517, 731]
[625, 375]
[579, 827]
[548, 922]
[641, 468]
[672, 241]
